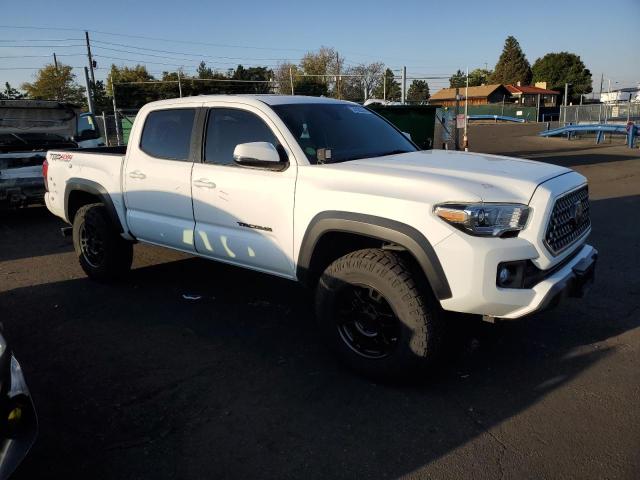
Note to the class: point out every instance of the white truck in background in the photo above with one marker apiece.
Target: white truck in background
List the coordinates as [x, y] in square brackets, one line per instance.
[28, 128]
[330, 194]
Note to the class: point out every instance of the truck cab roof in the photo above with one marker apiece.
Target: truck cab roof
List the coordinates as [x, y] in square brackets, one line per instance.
[268, 99]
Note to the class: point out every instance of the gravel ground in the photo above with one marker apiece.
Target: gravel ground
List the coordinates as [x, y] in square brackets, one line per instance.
[134, 381]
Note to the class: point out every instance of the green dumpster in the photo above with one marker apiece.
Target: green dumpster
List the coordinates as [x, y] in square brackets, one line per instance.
[416, 120]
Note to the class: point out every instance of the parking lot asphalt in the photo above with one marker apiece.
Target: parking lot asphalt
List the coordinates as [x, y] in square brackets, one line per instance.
[133, 380]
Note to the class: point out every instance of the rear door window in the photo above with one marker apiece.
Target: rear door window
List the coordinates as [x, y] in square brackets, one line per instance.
[167, 133]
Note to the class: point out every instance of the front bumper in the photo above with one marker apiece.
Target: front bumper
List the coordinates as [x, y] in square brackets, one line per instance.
[473, 281]
[18, 421]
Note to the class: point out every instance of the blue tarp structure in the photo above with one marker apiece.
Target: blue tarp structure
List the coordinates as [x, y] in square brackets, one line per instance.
[630, 130]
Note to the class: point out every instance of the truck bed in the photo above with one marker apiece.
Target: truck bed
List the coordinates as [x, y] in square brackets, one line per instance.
[84, 166]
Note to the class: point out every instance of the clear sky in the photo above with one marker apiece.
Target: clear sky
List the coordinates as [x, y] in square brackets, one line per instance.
[430, 37]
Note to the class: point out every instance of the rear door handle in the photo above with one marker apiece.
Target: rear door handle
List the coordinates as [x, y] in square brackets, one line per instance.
[137, 174]
[204, 183]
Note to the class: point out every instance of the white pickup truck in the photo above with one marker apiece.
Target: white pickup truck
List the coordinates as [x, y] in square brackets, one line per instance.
[330, 194]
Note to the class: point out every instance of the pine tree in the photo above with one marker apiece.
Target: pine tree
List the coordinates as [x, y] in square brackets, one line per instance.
[513, 66]
[418, 91]
[392, 87]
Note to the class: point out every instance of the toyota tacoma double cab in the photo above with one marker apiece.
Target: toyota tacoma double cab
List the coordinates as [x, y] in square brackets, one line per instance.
[330, 194]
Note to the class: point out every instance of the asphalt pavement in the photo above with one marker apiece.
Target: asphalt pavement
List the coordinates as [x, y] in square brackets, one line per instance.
[191, 369]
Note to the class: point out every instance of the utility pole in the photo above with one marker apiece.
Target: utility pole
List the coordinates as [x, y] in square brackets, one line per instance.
[384, 86]
[601, 82]
[404, 85]
[88, 87]
[566, 100]
[465, 141]
[456, 134]
[291, 79]
[55, 62]
[179, 85]
[93, 78]
[115, 111]
[338, 76]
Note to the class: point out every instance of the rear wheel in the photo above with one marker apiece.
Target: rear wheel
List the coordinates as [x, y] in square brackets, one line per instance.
[103, 254]
[379, 315]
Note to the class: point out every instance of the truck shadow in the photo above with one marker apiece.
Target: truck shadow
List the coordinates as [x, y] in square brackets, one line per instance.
[30, 232]
[135, 380]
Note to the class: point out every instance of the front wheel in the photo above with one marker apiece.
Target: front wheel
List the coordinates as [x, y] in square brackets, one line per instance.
[103, 254]
[379, 314]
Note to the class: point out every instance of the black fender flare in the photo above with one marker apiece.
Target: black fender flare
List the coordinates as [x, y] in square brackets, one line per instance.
[379, 228]
[89, 186]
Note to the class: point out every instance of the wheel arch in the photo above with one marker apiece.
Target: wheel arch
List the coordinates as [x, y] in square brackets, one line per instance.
[80, 192]
[376, 229]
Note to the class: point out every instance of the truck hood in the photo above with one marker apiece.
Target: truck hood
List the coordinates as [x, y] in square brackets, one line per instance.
[493, 178]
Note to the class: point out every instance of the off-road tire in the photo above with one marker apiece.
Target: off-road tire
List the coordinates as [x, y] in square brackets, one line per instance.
[116, 253]
[407, 293]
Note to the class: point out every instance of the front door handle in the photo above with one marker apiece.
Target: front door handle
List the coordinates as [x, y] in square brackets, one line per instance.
[204, 183]
[137, 174]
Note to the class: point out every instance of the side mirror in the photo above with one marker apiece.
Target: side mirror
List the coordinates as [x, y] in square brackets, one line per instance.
[258, 155]
[87, 134]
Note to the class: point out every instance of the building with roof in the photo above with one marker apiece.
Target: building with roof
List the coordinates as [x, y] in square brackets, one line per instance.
[482, 95]
[527, 95]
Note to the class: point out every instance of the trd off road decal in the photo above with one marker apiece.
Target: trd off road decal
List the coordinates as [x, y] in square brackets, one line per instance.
[61, 157]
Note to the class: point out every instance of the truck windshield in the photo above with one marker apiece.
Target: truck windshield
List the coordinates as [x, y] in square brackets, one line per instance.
[331, 133]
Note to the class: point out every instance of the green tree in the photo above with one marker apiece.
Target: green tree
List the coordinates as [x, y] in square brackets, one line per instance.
[260, 75]
[512, 66]
[101, 102]
[479, 76]
[418, 91]
[10, 93]
[325, 62]
[392, 87]
[458, 79]
[128, 93]
[559, 68]
[53, 83]
[204, 72]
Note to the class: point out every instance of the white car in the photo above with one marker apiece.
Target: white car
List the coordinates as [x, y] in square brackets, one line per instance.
[330, 194]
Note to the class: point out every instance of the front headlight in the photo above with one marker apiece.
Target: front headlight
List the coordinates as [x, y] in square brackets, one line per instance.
[484, 219]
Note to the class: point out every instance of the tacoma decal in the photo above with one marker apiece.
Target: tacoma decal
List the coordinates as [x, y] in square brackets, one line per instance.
[255, 227]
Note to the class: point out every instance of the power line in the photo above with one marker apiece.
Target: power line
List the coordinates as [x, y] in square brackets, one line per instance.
[40, 46]
[39, 28]
[29, 68]
[200, 55]
[41, 40]
[43, 56]
[143, 61]
[174, 58]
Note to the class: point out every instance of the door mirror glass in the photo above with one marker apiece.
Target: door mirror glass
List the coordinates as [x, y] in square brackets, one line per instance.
[257, 154]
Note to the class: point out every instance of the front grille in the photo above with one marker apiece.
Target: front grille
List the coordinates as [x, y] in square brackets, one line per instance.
[569, 220]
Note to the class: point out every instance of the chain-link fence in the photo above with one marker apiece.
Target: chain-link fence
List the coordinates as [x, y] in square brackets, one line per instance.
[114, 130]
[600, 113]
